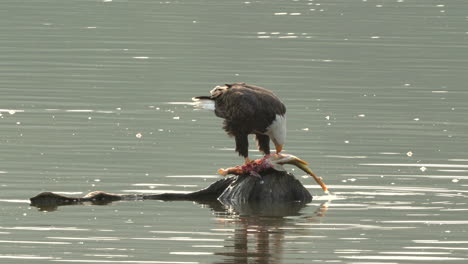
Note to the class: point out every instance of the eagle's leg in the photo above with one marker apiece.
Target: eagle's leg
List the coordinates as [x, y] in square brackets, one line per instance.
[263, 143]
[242, 146]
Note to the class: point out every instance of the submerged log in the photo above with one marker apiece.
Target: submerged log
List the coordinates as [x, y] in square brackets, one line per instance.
[271, 189]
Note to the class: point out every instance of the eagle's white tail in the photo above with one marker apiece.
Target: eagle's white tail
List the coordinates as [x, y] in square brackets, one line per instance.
[207, 104]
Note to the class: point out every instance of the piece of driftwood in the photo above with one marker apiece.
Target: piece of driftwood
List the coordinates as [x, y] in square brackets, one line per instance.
[273, 189]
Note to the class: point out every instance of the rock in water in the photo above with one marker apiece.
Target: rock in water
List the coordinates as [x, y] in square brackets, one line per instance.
[273, 187]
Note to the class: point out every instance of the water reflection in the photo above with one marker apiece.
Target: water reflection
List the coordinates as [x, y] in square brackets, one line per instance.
[262, 238]
[284, 233]
[250, 231]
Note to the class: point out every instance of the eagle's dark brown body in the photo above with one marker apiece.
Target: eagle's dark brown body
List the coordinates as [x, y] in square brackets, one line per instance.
[249, 109]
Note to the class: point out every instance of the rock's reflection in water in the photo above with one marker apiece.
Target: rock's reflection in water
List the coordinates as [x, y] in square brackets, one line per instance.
[261, 231]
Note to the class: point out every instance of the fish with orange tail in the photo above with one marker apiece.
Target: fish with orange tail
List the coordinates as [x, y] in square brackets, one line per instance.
[273, 161]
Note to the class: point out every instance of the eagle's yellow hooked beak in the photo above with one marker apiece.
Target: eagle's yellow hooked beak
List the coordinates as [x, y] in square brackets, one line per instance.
[279, 148]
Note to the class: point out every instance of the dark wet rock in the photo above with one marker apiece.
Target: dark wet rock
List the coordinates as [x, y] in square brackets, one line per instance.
[272, 187]
[53, 198]
[273, 191]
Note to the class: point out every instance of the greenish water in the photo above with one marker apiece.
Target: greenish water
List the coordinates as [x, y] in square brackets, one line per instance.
[93, 97]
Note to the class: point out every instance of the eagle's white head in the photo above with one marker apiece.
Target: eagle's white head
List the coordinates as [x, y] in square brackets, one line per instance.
[218, 90]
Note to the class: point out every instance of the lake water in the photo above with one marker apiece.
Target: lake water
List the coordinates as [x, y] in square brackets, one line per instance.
[93, 97]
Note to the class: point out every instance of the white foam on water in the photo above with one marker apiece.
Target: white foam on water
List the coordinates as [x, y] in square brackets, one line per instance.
[14, 201]
[426, 165]
[328, 197]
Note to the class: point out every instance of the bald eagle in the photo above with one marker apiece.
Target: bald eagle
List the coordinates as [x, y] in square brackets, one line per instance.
[249, 109]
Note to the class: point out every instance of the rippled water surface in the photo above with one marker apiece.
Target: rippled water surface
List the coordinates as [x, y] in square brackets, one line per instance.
[93, 96]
